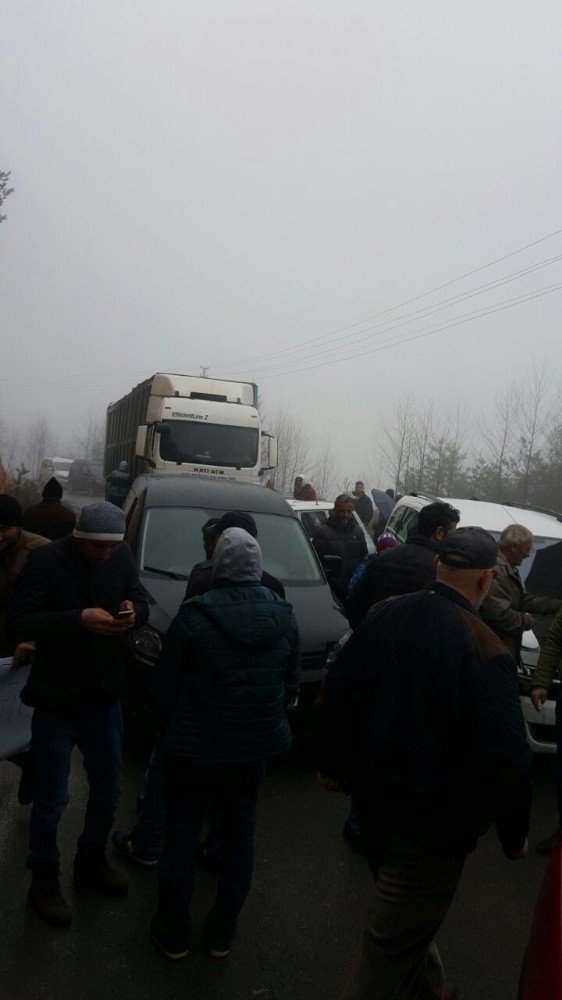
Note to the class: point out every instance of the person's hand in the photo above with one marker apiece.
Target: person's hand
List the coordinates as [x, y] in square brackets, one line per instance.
[330, 784]
[538, 697]
[23, 654]
[528, 621]
[130, 619]
[518, 855]
[102, 623]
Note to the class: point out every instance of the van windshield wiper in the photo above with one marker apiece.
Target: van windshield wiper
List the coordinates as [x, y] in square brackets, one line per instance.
[166, 572]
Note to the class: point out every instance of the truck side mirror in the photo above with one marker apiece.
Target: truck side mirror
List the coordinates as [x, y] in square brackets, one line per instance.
[140, 446]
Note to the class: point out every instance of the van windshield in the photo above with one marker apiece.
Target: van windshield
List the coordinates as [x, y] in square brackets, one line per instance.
[209, 444]
[172, 542]
[62, 464]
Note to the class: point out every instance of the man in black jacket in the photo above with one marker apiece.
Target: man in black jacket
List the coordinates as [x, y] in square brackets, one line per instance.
[343, 537]
[200, 578]
[363, 504]
[421, 720]
[405, 568]
[77, 598]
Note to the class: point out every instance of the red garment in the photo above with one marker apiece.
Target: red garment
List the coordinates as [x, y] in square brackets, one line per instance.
[307, 493]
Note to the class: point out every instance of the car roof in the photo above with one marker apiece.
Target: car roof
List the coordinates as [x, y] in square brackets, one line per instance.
[184, 490]
[309, 504]
[494, 516]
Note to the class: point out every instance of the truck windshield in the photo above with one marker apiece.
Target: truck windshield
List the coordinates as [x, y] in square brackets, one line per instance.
[209, 444]
[172, 543]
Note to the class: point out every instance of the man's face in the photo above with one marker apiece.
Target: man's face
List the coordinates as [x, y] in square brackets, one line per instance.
[359, 489]
[8, 537]
[517, 553]
[298, 483]
[95, 553]
[343, 511]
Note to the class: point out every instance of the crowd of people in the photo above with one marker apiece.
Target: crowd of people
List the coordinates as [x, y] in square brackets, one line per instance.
[418, 719]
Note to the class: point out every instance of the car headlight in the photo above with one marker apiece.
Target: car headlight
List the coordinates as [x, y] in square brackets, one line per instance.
[146, 643]
[335, 648]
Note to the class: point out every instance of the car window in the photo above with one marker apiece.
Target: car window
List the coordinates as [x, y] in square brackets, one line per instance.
[312, 520]
[409, 523]
[395, 520]
[172, 543]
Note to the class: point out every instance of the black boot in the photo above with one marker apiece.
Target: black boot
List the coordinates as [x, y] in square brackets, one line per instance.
[45, 896]
[94, 872]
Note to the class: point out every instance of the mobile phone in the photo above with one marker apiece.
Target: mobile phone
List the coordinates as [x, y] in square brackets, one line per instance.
[124, 614]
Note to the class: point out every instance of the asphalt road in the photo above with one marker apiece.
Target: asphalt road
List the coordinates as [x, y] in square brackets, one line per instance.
[300, 926]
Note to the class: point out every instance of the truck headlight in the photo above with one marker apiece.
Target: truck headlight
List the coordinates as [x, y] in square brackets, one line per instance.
[146, 643]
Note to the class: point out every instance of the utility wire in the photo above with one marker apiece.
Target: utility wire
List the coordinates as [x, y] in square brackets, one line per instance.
[424, 313]
[400, 305]
[448, 325]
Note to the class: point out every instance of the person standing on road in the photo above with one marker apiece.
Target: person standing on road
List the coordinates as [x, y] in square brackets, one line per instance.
[402, 569]
[227, 672]
[143, 843]
[548, 669]
[118, 484]
[420, 718]
[77, 598]
[50, 518]
[303, 490]
[509, 608]
[363, 505]
[15, 546]
[343, 537]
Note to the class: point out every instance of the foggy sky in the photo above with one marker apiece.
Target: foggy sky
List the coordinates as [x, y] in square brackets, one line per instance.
[199, 183]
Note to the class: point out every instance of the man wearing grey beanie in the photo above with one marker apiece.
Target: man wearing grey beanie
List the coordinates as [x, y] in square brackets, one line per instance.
[77, 598]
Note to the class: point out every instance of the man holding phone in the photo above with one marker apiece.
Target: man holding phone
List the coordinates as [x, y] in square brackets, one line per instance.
[77, 599]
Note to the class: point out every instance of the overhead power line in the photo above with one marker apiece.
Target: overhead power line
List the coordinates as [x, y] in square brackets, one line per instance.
[399, 305]
[424, 313]
[448, 325]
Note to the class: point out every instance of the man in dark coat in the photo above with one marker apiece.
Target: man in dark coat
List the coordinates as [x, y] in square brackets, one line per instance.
[50, 518]
[200, 578]
[421, 720]
[77, 598]
[405, 568]
[343, 537]
[363, 504]
[228, 670]
[117, 485]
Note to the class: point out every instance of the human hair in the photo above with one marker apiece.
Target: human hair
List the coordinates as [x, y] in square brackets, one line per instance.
[359, 482]
[344, 498]
[514, 534]
[437, 515]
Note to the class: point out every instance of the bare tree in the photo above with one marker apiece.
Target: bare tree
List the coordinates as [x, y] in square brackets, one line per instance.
[398, 442]
[5, 191]
[294, 447]
[324, 475]
[499, 435]
[9, 445]
[39, 442]
[534, 406]
[89, 442]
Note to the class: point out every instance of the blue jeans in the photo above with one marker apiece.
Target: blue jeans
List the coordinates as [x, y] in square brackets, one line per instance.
[190, 787]
[97, 730]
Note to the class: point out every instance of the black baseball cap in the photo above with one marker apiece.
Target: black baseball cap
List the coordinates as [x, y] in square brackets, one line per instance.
[237, 519]
[469, 548]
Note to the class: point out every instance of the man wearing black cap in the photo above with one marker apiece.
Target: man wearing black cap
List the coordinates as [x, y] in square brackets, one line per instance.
[200, 578]
[50, 518]
[428, 735]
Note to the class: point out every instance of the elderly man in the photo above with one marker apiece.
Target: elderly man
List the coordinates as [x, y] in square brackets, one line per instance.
[76, 598]
[509, 609]
[420, 719]
[343, 537]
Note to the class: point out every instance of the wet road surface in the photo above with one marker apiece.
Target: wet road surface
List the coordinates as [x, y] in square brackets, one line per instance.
[301, 923]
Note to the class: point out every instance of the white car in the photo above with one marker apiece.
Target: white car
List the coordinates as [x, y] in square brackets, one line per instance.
[314, 513]
[547, 532]
[57, 467]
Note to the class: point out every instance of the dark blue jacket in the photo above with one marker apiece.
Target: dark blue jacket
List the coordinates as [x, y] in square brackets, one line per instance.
[421, 713]
[72, 665]
[229, 666]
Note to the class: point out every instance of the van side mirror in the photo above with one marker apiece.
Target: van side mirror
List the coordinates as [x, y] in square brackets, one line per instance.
[332, 567]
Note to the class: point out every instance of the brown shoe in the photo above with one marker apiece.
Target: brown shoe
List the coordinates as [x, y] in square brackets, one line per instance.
[45, 896]
[94, 872]
[547, 845]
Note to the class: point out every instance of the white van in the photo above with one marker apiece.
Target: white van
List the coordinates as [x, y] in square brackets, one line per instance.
[57, 467]
[541, 573]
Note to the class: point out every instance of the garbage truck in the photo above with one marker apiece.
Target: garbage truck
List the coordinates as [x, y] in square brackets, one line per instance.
[193, 424]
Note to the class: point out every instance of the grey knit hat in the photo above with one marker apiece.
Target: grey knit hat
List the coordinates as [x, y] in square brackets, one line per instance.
[101, 522]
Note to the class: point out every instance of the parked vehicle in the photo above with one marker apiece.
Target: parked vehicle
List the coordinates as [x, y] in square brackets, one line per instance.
[314, 513]
[183, 423]
[57, 467]
[86, 476]
[541, 573]
[164, 516]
